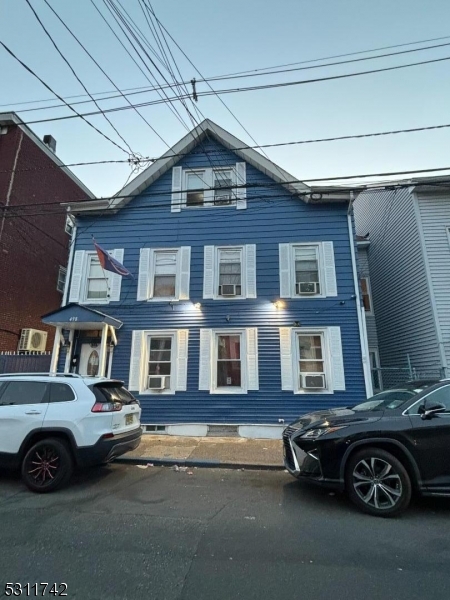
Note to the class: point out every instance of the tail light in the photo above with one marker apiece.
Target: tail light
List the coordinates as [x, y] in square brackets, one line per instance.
[101, 407]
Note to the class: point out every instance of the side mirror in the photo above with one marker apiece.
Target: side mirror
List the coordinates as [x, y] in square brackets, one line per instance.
[430, 409]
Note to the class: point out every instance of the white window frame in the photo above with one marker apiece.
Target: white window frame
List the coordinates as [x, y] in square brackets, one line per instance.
[370, 312]
[243, 293]
[326, 355]
[61, 270]
[207, 174]
[173, 362]
[84, 295]
[242, 332]
[152, 272]
[318, 248]
[232, 190]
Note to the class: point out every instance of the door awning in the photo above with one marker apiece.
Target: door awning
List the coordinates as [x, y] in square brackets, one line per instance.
[74, 316]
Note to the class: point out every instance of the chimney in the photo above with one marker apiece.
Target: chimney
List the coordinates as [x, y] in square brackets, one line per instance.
[50, 142]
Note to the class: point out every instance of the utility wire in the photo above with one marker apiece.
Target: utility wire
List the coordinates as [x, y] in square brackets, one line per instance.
[147, 160]
[77, 114]
[246, 89]
[75, 74]
[102, 70]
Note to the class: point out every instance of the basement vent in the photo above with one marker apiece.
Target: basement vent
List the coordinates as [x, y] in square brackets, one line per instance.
[159, 429]
[223, 431]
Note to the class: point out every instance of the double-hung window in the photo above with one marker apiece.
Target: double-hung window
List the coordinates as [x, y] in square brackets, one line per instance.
[158, 363]
[229, 272]
[164, 274]
[209, 187]
[366, 294]
[90, 283]
[62, 274]
[307, 270]
[311, 360]
[97, 282]
[229, 360]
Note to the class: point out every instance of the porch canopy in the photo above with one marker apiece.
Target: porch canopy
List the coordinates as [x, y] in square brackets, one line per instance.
[75, 318]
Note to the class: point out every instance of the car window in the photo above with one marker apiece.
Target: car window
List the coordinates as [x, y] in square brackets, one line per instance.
[24, 392]
[440, 396]
[61, 392]
[387, 400]
[2, 387]
[112, 392]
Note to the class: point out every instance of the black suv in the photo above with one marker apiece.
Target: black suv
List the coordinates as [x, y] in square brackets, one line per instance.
[378, 451]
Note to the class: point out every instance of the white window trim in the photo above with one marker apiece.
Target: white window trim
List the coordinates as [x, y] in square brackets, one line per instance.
[317, 245]
[69, 225]
[151, 282]
[243, 294]
[84, 285]
[143, 390]
[369, 313]
[205, 174]
[214, 354]
[61, 270]
[326, 354]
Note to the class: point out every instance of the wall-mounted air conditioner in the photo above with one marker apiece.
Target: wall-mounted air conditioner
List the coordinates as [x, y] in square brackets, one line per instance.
[32, 340]
[312, 381]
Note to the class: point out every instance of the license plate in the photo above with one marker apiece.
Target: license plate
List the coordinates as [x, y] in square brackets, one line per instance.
[129, 419]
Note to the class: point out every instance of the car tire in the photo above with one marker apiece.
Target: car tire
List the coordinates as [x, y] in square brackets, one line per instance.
[47, 466]
[377, 482]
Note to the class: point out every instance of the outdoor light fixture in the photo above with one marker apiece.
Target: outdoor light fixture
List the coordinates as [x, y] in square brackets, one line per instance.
[197, 305]
[278, 304]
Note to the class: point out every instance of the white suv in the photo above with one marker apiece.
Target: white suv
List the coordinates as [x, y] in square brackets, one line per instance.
[50, 423]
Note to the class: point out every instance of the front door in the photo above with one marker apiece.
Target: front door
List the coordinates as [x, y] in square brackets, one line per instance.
[23, 405]
[432, 442]
[89, 360]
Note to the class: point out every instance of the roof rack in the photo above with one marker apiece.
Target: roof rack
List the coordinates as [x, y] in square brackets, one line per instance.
[41, 374]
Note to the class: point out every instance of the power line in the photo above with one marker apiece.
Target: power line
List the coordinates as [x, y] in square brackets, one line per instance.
[83, 117]
[145, 89]
[246, 147]
[248, 89]
[262, 184]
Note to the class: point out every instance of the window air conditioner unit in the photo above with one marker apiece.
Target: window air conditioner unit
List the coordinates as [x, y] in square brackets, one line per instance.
[308, 288]
[223, 200]
[32, 340]
[157, 382]
[229, 289]
[312, 381]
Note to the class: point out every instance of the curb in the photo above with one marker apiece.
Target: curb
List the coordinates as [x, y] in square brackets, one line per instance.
[195, 463]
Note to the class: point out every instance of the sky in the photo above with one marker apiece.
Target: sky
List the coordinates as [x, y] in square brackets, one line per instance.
[224, 37]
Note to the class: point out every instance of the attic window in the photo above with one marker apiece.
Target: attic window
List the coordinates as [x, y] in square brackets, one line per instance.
[195, 181]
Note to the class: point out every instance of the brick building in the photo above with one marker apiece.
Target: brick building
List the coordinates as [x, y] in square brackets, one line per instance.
[33, 247]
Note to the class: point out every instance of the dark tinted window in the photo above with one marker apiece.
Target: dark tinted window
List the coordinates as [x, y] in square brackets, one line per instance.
[24, 392]
[112, 392]
[440, 396]
[61, 392]
[2, 387]
[390, 399]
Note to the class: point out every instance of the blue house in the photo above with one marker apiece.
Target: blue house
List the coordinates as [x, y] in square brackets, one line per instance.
[244, 310]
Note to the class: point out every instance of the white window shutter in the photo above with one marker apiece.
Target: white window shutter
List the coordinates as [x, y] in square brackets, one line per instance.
[287, 379]
[185, 269]
[285, 270]
[250, 270]
[208, 272]
[337, 359]
[204, 381]
[144, 274]
[115, 282]
[208, 181]
[182, 358]
[78, 272]
[134, 383]
[241, 179]
[329, 269]
[177, 182]
[252, 359]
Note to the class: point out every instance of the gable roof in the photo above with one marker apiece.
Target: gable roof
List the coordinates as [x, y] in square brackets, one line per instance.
[7, 119]
[206, 128]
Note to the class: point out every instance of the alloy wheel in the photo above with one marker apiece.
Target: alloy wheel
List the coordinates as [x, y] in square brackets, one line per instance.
[377, 483]
[43, 465]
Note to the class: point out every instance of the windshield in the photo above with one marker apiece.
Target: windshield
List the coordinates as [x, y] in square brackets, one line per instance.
[387, 400]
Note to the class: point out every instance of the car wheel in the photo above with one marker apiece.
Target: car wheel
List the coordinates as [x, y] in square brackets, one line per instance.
[377, 482]
[47, 466]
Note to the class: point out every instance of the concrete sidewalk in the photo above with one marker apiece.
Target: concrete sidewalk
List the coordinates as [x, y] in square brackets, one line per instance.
[225, 452]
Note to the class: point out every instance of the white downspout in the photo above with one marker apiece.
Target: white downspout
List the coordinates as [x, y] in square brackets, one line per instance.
[69, 266]
[360, 315]
[55, 352]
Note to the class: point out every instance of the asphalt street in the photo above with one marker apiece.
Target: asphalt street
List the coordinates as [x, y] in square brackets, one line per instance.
[121, 532]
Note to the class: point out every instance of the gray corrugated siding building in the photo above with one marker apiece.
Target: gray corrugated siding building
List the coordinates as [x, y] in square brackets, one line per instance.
[409, 261]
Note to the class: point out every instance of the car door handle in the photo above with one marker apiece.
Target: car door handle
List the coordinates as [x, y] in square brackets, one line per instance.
[33, 412]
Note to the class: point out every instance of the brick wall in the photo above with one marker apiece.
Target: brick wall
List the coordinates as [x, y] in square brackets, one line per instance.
[31, 248]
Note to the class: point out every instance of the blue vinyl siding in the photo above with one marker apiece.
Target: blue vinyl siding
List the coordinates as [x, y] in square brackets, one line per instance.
[272, 216]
